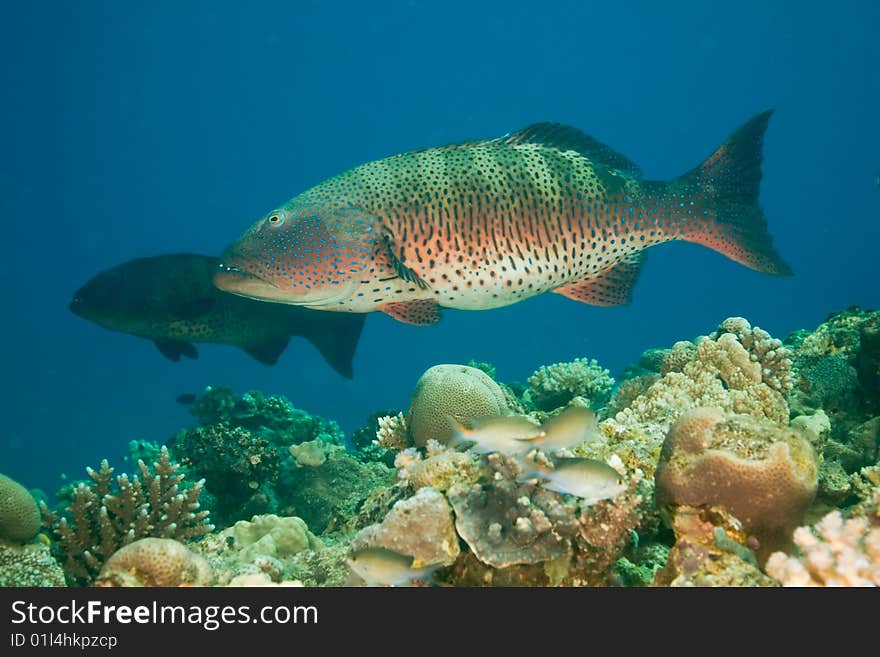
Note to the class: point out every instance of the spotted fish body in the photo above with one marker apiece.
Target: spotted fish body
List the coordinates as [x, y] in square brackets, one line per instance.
[485, 224]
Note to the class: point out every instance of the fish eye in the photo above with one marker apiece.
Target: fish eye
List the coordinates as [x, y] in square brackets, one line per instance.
[275, 219]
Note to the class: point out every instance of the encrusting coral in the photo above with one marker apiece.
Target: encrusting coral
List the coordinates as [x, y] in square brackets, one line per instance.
[552, 386]
[155, 562]
[456, 391]
[763, 474]
[19, 514]
[102, 517]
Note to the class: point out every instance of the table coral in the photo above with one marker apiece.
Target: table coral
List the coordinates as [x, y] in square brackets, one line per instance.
[552, 386]
[762, 473]
[19, 514]
[28, 565]
[421, 527]
[445, 391]
[155, 562]
[102, 517]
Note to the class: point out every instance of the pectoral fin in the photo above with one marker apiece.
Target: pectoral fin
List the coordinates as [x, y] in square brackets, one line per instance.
[612, 287]
[174, 349]
[419, 313]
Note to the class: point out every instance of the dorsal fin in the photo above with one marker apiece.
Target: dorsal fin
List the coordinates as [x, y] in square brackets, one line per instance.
[567, 138]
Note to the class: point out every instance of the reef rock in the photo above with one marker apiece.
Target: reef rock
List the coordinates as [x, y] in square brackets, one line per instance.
[421, 527]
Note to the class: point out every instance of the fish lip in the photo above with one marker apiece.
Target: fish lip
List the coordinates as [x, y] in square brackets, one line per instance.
[223, 268]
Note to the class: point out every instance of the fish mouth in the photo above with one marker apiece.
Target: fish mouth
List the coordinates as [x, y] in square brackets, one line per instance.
[238, 281]
[76, 306]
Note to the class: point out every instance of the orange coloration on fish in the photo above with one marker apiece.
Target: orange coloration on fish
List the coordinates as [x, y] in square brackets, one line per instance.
[485, 224]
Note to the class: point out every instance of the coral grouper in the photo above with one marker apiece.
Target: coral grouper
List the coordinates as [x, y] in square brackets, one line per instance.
[485, 224]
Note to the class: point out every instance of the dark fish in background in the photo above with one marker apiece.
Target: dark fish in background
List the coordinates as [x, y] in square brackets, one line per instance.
[171, 300]
[485, 224]
[186, 398]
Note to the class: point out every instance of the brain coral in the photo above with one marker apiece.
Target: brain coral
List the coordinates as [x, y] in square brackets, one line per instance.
[451, 390]
[155, 562]
[19, 514]
[763, 474]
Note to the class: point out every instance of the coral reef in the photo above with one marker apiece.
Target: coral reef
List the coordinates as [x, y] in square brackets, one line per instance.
[239, 468]
[836, 552]
[155, 562]
[519, 533]
[28, 565]
[270, 536]
[272, 417]
[552, 386]
[765, 350]
[456, 391]
[711, 549]
[369, 445]
[327, 496]
[102, 517]
[421, 527]
[764, 474]
[439, 469]
[19, 514]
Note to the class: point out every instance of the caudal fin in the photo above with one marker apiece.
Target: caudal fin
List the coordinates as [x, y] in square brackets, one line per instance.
[725, 190]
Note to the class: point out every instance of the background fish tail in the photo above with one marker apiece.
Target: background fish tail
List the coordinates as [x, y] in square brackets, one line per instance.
[724, 189]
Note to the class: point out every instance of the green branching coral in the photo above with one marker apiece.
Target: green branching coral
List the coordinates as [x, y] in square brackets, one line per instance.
[238, 467]
[111, 512]
[552, 386]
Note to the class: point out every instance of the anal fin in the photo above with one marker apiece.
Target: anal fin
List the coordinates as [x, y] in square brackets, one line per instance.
[268, 351]
[422, 312]
[174, 349]
[611, 287]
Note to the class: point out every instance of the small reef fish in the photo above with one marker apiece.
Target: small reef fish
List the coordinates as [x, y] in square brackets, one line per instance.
[485, 224]
[589, 479]
[379, 566]
[171, 300]
[571, 427]
[508, 434]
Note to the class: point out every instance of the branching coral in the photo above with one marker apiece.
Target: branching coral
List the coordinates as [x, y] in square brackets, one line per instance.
[440, 468]
[19, 515]
[392, 432]
[552, 386]
[836, 552]
[767, 351]
[102, 517]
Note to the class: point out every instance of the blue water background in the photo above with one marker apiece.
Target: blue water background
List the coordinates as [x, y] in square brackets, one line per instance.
[136, 129]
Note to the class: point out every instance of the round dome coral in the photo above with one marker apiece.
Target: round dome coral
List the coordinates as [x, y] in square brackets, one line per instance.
[761, 472]
[458, 391]
[19, 515]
